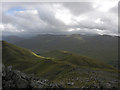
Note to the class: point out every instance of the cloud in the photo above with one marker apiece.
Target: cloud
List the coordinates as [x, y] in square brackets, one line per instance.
[59, 18]
[78, 8]
[105, 6]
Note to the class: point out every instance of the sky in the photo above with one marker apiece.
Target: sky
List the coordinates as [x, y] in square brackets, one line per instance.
[99, 17]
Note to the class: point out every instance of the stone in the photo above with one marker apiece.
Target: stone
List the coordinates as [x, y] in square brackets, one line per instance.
[34, 84]
[22, 83]
[70, 83]
[9, 68]
[17, 79]
[40, 86]
[9, 75]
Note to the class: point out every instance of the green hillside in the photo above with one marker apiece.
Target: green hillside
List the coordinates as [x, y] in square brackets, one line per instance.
[75, 59]
[101, 47]
[55, 67]
[20, 58]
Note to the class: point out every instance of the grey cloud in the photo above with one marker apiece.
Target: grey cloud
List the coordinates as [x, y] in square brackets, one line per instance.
[79, 8]
[45, 21]
[48, 16]
[114, 9]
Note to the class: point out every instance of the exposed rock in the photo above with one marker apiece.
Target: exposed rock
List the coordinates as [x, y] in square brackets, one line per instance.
[16, 79]
[70, 83]
[22, 83]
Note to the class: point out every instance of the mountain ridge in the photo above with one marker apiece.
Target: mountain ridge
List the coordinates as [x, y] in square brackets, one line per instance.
[103, 47]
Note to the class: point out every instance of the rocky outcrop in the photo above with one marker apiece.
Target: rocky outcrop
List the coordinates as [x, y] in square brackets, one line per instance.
[17, 79]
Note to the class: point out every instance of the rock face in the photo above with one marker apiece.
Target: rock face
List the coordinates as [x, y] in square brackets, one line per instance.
[17, 79]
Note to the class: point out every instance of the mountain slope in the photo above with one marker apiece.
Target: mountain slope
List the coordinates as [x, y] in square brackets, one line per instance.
[13, 54]
[76, 59]
[17, 56]
[56, 69]
[101, 47]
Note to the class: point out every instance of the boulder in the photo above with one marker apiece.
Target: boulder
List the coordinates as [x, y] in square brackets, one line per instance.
[22, 83]
[70, 83]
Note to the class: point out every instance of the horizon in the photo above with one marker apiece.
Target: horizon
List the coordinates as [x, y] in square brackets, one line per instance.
[31, 35]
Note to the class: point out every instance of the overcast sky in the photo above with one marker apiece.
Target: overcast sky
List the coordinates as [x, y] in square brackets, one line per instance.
[60, 18]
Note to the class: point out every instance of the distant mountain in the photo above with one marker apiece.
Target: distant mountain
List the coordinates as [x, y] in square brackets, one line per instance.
[101, 47]
[12, 39]
[61, 66]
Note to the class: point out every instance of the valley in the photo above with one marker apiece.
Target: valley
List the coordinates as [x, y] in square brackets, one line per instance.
[100, 47]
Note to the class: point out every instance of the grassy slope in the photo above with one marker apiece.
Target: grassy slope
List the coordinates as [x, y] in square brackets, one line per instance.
[20, 58]
[76, 59]
[101, 47]
[51, 68]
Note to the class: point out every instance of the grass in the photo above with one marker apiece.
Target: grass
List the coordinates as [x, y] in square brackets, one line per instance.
[58, 66]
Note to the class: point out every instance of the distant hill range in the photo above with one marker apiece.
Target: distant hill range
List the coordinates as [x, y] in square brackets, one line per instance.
[101, 47]
[60, 66]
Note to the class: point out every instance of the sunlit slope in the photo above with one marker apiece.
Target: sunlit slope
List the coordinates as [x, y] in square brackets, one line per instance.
[20, 58]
